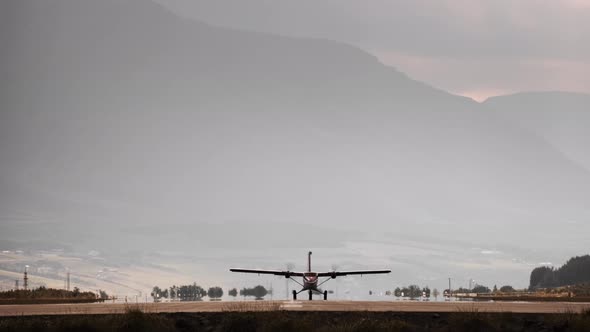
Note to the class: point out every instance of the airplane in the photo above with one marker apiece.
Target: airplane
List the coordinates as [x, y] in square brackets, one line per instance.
[310, 279]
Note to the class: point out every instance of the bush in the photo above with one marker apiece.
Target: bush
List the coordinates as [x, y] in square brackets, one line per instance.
[243, 322]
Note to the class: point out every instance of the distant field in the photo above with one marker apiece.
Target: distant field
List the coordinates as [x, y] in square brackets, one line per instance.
[88, 274]
[529, 298]
[35, 301]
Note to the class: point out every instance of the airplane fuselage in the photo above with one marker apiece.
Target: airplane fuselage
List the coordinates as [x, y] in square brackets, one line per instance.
[310, 281]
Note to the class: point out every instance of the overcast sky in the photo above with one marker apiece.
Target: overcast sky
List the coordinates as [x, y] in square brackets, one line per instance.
[470, 47]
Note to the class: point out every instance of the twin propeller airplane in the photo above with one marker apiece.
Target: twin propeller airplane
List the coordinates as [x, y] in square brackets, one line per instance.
[311, 279]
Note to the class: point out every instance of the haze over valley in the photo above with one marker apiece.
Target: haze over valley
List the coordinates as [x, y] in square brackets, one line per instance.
[145, 143]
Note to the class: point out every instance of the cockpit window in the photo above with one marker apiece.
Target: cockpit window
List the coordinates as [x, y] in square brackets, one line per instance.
[310, 276]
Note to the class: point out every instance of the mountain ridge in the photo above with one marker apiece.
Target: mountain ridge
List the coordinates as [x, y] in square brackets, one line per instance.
[176, 120]
[559, 117]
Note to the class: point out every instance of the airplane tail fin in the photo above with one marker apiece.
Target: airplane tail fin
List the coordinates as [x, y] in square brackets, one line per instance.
[309, 262]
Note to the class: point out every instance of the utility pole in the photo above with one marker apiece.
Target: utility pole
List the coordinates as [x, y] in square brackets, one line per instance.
[68, 280]
[26, 278]
[450, 292]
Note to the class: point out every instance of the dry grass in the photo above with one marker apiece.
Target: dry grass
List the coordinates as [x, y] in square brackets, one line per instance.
[471, 309]
[370, 325]
[266, 316]
[251, 306]
[571, 320]
[137, 307]
[471, 318]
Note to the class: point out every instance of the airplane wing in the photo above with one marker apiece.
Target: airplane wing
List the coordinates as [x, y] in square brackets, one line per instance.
[286, 274]
[335, 274]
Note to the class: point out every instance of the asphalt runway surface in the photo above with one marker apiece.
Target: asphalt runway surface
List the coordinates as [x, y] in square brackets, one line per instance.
[204, 306]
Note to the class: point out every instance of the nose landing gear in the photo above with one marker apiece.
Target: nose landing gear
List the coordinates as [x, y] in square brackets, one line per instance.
[310, 294]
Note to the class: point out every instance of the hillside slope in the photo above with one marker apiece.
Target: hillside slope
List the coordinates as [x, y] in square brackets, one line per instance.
[560, 118]
[120, 111]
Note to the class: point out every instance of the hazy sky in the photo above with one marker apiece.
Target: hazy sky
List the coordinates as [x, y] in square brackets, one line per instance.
[122, 122]
[470, 47]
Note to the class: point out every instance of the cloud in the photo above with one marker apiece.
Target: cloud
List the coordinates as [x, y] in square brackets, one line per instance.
[443, 27]
[480, 78]
[577, 3]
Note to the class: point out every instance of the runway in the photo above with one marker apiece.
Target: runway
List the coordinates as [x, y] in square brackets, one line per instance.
[394, 306]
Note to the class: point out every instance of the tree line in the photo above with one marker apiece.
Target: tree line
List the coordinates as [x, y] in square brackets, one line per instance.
[575, 271]
[43, 292]
[413, 292]
[195, 292]
[50, 295]
[481, 289]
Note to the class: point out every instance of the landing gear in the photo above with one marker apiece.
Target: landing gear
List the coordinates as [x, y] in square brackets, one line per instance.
[310, 294]
[294, 295]
[325, 295]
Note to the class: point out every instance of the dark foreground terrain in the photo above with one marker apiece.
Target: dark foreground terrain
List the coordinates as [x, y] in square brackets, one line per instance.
[137, 320]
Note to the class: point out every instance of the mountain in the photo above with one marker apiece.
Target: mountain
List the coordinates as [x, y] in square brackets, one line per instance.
[75, 47]
[120, 112]
[560, 118]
